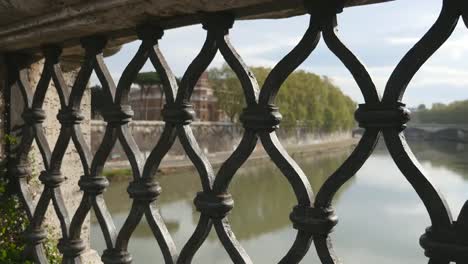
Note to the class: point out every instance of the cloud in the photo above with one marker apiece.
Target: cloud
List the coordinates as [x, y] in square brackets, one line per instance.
[455, 48]
[441, 75]
[272, 44]
[401, 40]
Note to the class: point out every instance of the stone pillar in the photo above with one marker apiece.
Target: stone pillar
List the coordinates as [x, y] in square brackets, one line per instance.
[71, 167]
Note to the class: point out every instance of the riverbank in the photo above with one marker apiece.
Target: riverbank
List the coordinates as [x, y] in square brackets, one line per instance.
[120, 170]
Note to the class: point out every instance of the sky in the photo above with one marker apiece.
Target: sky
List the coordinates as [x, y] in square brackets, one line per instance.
[379, 34]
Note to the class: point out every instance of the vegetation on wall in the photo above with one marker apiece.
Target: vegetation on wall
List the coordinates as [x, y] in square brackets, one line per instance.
[14, 221]
[453, 113]
[304, 99]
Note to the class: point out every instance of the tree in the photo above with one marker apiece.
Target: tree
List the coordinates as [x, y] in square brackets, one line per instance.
[99, 102]
[228, 90]
[304, 99]
[146, 81]
[453, 113]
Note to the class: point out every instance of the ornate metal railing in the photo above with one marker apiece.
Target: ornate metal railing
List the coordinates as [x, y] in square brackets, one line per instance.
[445, 241]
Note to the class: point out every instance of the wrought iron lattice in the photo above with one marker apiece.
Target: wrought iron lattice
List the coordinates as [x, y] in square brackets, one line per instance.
[445, 241]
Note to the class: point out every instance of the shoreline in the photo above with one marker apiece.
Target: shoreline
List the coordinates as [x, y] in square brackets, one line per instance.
[121, 170]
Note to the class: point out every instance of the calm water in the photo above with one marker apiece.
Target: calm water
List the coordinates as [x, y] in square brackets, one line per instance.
[381, 217]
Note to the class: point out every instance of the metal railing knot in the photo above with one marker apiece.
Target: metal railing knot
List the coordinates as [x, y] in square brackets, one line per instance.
[71, 248]
[70, 117]
[51, 179]
[94, 44]
[323, 11]
[35, 236]
[449, 245]
[178, 114]
[19, 171]
[261, 118]
[218, 22]
[33, 116]
[149, 33]
[143, 190]
[383, 116]
[216, 206]
[116, 256]
[93, 185]
[52, 53]
[118, 115]
[316, 221]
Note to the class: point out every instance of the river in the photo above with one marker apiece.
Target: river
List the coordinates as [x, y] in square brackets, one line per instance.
[381, 217]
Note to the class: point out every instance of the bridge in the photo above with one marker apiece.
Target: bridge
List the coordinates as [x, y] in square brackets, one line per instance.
[432, 132]
[433, 127]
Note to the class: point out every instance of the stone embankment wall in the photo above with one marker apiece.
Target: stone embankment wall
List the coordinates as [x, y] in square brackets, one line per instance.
[213, 137]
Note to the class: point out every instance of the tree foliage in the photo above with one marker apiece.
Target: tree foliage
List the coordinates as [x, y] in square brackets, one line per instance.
[228, 91]
[13, 223]
[98, 101]
[304, 99]
[453, 113]
[147, 81]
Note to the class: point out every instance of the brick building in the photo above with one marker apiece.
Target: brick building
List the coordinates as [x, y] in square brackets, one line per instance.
[147, 105]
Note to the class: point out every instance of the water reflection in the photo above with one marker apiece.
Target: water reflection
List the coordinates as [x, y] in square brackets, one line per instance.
[381, 217]
[450, 155]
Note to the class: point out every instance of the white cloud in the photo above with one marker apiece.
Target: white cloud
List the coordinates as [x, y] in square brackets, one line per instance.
[269, 45]
[441, 75]
[455, 48]
[402, 40]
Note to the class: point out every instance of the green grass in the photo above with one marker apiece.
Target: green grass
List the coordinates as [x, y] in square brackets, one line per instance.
[117, 173]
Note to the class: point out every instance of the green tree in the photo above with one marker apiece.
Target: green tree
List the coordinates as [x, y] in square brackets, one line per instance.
[99, 102]
[453, 113]
[147, 81]
[13, 223]
[304, 99]
[228, 90]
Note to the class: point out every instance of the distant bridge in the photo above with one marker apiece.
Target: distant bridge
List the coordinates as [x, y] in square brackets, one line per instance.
[440, 132]
[431, 127]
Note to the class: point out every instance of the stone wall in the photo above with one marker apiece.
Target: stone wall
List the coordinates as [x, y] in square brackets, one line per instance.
[213, 137]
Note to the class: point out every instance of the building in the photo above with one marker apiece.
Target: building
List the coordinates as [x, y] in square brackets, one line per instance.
[148, 103]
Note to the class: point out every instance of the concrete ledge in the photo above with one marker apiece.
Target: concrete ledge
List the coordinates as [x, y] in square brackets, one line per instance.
[25, 24]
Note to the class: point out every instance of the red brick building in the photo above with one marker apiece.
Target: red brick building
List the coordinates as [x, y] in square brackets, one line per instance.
[148, 104]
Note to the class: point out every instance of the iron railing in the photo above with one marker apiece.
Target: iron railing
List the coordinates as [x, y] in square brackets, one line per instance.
[313, 217]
